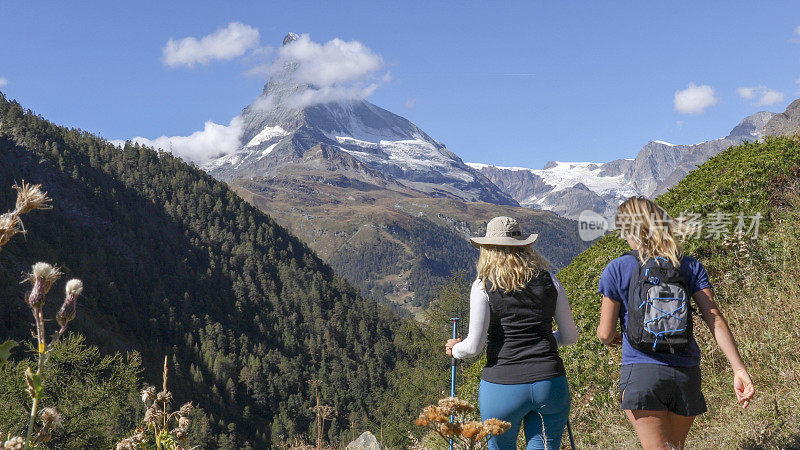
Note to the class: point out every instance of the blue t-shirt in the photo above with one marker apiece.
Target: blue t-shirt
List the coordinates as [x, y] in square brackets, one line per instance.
[614, 283]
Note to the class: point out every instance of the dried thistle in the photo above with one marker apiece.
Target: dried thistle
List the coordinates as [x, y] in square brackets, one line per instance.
[51, 419]
[9, 226]
[30, 197]
[42, 276]
[67, 311]
[148, 394]
[155, 431]
[164, 397]
[184, 422]
[186, 410]
[448, 419]
[453, 405]
[127, 444]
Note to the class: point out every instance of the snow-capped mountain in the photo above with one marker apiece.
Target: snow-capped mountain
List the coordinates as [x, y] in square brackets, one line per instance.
[278, 128]
[568, 188]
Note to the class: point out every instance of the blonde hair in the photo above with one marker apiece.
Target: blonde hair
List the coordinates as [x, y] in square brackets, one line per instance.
[650, 228]
[509, 268]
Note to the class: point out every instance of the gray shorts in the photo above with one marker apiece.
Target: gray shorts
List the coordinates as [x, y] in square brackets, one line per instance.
[657, 387]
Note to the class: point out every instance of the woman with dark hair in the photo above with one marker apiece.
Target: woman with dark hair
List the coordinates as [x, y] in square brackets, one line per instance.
[513, 303]
[648, 292]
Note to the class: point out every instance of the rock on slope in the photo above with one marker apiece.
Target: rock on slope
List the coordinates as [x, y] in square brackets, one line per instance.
[785, 123]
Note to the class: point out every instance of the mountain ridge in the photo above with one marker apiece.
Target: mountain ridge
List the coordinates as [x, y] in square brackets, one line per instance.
[359, 183]
[657, 167]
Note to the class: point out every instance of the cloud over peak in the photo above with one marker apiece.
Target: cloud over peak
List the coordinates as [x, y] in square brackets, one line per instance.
[224, 44]
[334, 62]
[335, 70]
[694, 99]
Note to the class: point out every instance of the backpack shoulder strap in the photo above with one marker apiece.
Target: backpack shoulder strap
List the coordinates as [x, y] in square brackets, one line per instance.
[634, 253]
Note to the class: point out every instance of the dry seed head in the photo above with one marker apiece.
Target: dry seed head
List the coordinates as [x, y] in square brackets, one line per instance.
[471, 430]
[450, 429]
[496, 426]
[51, 419]
[74, 287]
[164, 397]
[42, 277]
[187, 409]
[30, 197]
[454, 405]
[127, 444]
[148, 394]
[184, 422]
[150, 416]
[67, 311]
[15, 443]
[44, 274]
[9, 226]
[179, 433]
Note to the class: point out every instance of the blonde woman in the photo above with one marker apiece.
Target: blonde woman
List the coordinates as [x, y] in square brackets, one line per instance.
[648, 291]
[512, 306]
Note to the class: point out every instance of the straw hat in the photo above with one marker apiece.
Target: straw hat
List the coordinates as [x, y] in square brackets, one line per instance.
[503, 231]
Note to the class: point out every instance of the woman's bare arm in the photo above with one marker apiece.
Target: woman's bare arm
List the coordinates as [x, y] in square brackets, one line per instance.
[743, 385]
[607, 328]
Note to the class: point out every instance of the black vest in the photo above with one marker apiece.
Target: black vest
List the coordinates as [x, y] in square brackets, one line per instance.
[520, 347]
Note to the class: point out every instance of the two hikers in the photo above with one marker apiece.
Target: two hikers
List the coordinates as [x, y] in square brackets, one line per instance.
[648, 290]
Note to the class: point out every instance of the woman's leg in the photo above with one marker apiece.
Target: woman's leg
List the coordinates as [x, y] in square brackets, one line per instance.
[544, 426]
[509, 402]
[652, 428]
[679, 428]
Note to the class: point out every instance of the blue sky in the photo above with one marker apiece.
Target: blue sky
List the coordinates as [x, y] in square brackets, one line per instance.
[508, 83]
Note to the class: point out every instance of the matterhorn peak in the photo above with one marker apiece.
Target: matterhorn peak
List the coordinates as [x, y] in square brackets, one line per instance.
[291, 37]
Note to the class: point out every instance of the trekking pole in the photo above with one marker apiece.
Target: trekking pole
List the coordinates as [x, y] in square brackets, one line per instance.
[571, 439]
[453, 371]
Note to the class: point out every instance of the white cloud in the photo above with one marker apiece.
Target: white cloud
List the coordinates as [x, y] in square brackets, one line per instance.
[213, 141]
[336, 70]
[410, 103]
[746, 92]
[763, 95]
[3, 82]
[226, 43]
[797, 31]
[694, 99]
[334, 62]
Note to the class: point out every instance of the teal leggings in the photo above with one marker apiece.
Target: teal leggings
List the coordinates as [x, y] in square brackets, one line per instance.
[541, 405]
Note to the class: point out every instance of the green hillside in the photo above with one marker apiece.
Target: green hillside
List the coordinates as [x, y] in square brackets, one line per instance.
[756, 285]
[175, 263]
[394, 244]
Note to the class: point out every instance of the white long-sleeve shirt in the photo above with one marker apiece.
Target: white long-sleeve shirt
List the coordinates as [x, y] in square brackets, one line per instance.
[479, 316]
